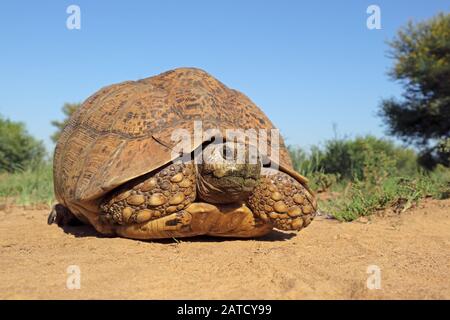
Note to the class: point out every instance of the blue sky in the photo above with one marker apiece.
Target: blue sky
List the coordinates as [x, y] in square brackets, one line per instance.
[307, 64]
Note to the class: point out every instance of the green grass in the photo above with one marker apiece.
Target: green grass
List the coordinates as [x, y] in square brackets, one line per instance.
[362, 198]
[31, 186]
[367, 174]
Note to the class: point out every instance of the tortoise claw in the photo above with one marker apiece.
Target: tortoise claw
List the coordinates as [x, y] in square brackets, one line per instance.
[52, 216]
[62, 216]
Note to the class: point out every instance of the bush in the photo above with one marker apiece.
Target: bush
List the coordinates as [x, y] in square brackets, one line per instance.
[358, 159]
[18, 149]
[30, 186]
[370, 174]
[366, 157]
[397, 193]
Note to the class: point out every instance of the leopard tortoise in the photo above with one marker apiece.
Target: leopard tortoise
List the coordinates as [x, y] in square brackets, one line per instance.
[116, 166]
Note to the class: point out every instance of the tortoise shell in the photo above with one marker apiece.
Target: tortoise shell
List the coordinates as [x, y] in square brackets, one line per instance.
[123, 131]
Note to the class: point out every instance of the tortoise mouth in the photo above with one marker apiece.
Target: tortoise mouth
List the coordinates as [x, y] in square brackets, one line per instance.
[224, 190]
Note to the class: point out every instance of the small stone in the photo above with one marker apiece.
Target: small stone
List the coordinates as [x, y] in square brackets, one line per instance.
[363, 220]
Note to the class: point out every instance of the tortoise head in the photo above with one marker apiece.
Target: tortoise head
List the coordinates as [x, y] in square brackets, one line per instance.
[228, 172]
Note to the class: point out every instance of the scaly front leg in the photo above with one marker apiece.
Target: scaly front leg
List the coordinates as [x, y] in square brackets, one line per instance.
[283, 201]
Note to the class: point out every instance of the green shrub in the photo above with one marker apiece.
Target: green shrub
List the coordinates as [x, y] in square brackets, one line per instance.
[363, 198]
[30, 186]
[306, 163]
[365, 157]
[370, 174]
[18, 149]
[321, 182]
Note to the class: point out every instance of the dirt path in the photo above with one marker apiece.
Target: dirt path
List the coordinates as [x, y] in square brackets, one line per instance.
[326, 260]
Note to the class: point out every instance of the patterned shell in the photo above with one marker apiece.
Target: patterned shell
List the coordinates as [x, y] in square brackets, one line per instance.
[124, 130]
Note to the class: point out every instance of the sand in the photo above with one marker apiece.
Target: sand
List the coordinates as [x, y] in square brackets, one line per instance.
[329, 259]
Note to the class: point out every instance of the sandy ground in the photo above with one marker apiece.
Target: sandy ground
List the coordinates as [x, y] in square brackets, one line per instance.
[326, 260]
